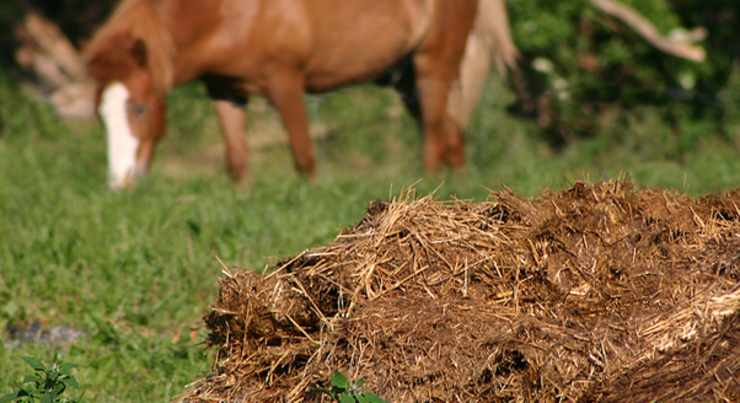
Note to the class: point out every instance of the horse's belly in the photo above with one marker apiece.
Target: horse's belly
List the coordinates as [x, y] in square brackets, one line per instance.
[361, 39]
[322, 80]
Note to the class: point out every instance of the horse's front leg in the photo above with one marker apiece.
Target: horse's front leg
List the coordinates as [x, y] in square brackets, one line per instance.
[233, 118]
[286, 94]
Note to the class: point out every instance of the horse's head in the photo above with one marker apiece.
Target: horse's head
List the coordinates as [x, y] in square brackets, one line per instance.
[131, 105]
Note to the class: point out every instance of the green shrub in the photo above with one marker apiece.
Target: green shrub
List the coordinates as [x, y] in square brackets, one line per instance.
[46, 385]
[585, 72]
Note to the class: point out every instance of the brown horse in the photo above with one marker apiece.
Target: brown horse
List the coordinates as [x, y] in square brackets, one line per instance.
[280, 49]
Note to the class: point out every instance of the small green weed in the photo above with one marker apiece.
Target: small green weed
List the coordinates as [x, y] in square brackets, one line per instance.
[344, 391]
[47, 385]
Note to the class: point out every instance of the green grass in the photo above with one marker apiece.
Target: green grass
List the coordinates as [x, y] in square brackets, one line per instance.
[136, 270]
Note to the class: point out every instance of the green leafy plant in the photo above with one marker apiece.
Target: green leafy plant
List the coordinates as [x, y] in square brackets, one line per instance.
[46, 385]
[344, 391]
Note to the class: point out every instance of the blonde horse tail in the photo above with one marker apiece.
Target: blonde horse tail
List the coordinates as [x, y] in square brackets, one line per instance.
[489, 42]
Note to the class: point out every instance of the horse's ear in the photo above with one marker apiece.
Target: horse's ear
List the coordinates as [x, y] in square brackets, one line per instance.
[138, 51]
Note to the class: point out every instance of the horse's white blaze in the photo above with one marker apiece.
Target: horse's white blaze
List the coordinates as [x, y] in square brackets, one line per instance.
[122, 145]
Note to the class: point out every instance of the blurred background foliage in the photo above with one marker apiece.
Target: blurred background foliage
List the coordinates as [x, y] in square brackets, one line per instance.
[585, 73]
[76, 18]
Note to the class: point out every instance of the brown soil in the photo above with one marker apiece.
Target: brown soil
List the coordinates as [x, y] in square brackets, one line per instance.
[601, 293]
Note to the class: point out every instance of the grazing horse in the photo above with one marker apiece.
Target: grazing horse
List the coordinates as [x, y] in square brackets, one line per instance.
[280, 49]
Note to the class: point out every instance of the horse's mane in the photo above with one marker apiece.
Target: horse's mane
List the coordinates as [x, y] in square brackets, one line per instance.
[138, 20]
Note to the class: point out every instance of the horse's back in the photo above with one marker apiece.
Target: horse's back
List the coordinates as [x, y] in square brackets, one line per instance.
[334, 42]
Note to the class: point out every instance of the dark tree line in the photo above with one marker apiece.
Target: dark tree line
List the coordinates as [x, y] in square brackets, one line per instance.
[76, 18]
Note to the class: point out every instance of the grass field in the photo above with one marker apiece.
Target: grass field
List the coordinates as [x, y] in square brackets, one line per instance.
[136, 270]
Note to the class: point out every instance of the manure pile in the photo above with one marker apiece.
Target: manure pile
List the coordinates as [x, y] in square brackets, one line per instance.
[601, 293]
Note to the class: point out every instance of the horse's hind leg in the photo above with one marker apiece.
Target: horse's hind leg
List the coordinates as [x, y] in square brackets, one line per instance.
[437, 64]
[443, 138]
[444, 141]
[233, 118]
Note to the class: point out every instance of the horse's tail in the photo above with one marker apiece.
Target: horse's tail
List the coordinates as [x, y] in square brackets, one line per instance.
[489, 41]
